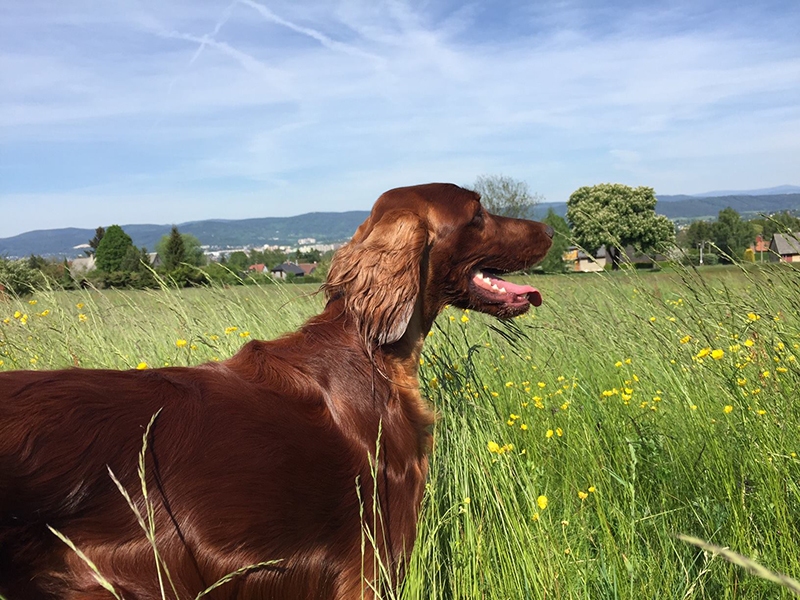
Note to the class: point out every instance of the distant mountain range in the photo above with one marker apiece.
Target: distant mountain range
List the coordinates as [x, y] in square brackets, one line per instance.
[328, 227]
[688, 208]
[780, 189]
[324, 227]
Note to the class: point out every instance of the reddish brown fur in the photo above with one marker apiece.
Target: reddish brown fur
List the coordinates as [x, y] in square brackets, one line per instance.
[259, 457]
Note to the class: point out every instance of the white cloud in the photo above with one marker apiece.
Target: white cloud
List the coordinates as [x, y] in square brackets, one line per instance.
[300, 97]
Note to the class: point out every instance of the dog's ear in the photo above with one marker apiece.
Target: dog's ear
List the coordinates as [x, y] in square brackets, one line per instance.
[377, 274]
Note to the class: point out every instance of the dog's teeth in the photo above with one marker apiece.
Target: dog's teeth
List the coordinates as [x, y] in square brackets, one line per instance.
[487, 280]
[502, 289]
[494, 286]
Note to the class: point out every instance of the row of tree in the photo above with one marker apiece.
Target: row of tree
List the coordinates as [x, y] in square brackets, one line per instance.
[617, 216]
[732, 235]
[612, 215]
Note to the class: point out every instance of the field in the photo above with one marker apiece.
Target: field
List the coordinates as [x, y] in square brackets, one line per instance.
[573, 443]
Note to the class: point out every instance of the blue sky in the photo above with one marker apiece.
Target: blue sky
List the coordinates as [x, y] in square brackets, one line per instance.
[160, 111]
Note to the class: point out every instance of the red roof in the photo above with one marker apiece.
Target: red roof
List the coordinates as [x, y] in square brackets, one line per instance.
[308, 268]
[259, 268]
[761, 245]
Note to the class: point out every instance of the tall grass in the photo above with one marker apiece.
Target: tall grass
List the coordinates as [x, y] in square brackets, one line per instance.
[608, 406]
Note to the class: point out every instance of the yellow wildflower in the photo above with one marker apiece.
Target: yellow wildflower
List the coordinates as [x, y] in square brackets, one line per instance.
[583, 495]
[541, 502]
[717, 354]
[728, 408]
[141, 366]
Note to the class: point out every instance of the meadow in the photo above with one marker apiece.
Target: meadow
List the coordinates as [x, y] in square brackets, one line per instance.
[573, 443]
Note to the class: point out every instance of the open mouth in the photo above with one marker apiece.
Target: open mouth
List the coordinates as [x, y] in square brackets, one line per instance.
[493, 290]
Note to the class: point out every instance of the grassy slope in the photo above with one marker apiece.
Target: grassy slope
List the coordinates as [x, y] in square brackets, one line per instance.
[660, 450]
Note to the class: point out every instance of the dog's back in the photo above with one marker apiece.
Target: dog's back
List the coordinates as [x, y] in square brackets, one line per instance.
[224, 449]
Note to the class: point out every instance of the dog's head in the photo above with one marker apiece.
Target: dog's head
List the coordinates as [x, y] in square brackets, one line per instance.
[428, 246]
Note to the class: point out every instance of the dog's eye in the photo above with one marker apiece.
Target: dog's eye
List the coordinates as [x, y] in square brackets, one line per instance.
[477, 220]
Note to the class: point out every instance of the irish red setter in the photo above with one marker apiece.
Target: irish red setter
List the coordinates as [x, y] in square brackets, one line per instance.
[266, 456]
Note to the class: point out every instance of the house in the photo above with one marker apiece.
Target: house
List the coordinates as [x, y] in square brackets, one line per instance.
[155, 259]
[582, 262]
[79, 267]
[785, 247]
[259, 268]
[760, 247]
[308, 268]
[296, 269]
[287, 268]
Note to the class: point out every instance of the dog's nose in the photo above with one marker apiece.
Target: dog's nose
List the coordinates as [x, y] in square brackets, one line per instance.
[549, 231]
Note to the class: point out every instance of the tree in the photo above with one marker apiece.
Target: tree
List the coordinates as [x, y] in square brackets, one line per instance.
[312, 256]
[112, 249]
[174, 251]
[95, 241]
[192, 251]
[135, 260]
[777, 223]
[502, 195]
[697, 233]
[618, 216]
[554, 261]
[238, 261]
[731, 235]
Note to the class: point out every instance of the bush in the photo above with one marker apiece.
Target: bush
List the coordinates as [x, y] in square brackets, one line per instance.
[222, 275]
[187, 276]
[122, 279]
[693, 258]
[18, 278]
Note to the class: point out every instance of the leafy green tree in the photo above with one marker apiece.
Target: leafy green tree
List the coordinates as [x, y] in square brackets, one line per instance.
[135, 260]
[174, 250]
[777, 223]
[617, 215]
[37, 262]
[192, 251]
[554, 261]
[696, 233]
[95, 241]
[238, 261]
[311, 256]
[506, 196]
[112, 249]
[732, 235]
[18, 278]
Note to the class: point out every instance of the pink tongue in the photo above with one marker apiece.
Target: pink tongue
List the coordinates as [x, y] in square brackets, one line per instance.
[535, 296]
